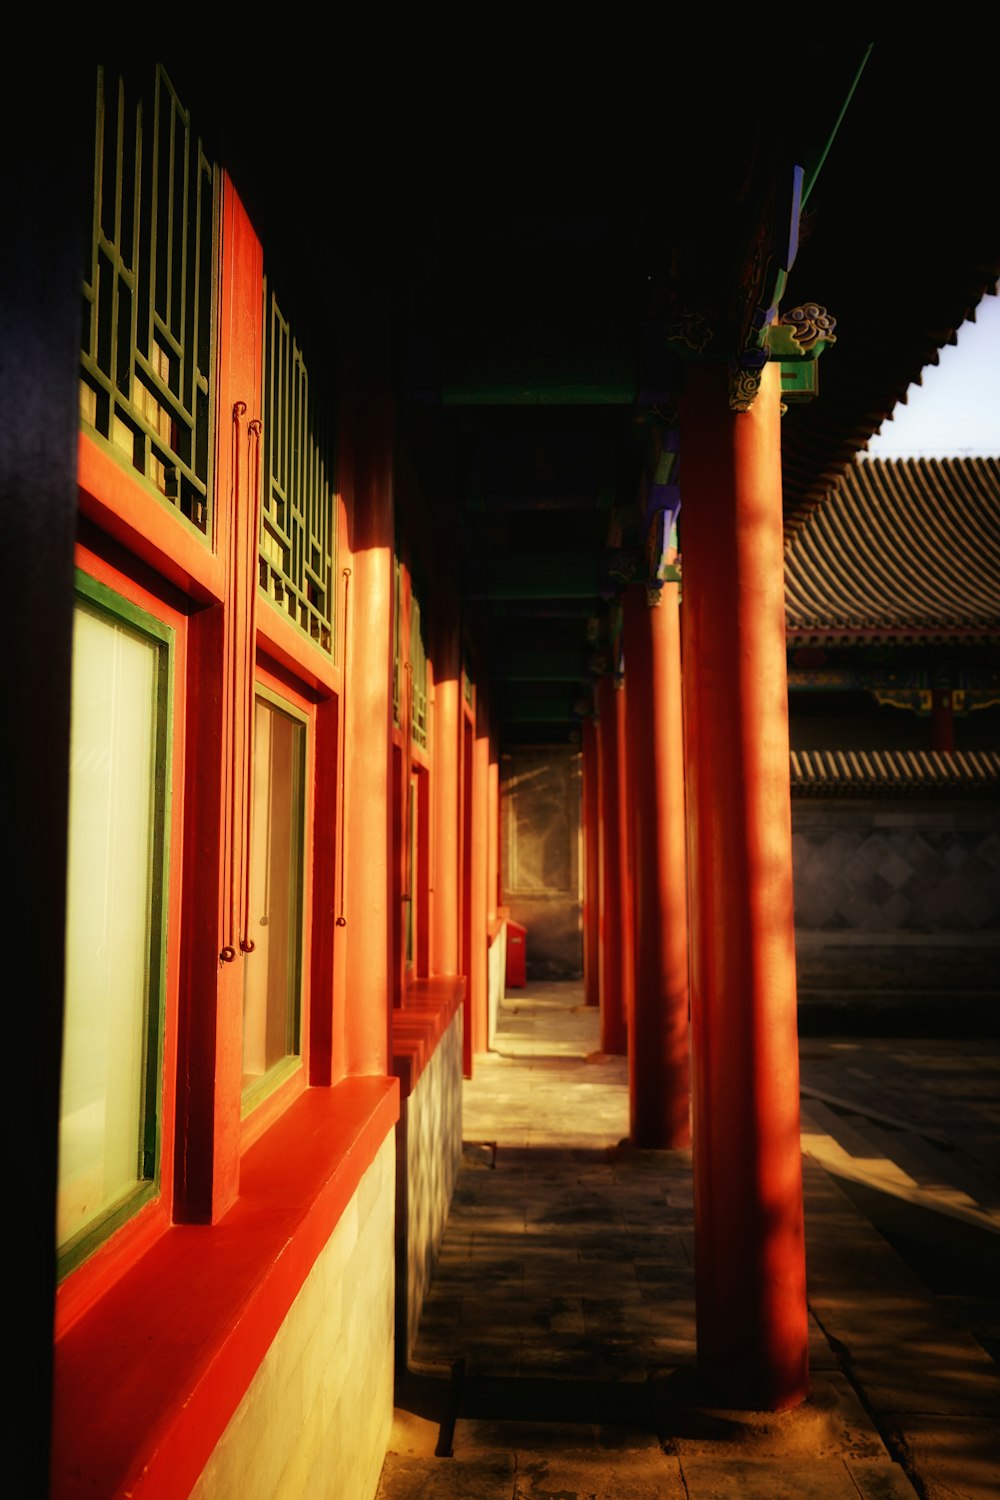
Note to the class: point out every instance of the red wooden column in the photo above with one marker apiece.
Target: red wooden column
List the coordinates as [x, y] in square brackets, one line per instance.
[658, 1034]
[591, 865]
[479, 914]
[367, 880]
[616, 958]
[493, 836]
[749, 1253]
[942, 720]
[207, 1163]
[445, 801]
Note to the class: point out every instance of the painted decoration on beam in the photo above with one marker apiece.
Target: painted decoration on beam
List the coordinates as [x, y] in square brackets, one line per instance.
[797, 340]
[769, 257]
[659, 504]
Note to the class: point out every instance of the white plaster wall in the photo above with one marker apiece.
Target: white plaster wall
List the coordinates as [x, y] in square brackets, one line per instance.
[430, 1153]
[496, 982]
[315, 1421]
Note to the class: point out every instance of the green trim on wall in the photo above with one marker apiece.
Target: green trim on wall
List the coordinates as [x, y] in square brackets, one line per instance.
[107, 602]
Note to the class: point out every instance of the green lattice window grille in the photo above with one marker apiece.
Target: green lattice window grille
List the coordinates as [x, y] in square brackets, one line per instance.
[298, 515]
[418, 659]
[148, 314]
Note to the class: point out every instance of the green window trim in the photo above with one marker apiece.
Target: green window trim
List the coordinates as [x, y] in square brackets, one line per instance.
[263, 1085]
[105, 601]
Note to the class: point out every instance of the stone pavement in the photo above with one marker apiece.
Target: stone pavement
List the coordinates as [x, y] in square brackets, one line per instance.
[555, 1359]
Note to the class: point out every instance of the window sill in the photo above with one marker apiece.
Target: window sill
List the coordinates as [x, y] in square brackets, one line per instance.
[121, 503]
[147, 1380]
[418, 1025]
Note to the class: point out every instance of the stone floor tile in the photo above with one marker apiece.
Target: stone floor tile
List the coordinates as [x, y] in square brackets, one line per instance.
[484, 1478]
[880, 1479]
[599, 1244]
[437, 1350]
[440, 1312]
[558, 1236]
[744, 1479]
[830, 1424]
[578, 1216]
[953, 1456]
[483, 1271]
[554, 1315]
[494, 1359]
[687, 1240]
[666, 1353]
[499, 1314]
[674, 1299]
[555, 1261]
[574, 1475]
[664, 1263]
[899, 1379]
[578, 1358]
[529, 1439]
[619, 1318]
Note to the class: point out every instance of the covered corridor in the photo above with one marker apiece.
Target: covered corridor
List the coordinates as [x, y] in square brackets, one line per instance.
[339, 464]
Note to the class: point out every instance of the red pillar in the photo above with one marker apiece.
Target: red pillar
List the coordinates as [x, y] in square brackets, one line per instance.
[658, 1035]
[367, 853]
[478, 916]
[591, 865]
[445, 803]
[493, 837]
[749, 1253]
[616, 967]
[942, 720]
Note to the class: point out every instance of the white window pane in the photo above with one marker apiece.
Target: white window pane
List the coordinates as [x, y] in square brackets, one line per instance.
[112, 805]
[271, 973]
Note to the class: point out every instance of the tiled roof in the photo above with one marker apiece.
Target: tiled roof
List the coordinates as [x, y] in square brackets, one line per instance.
[901, 550]
[975, 773]
[916, 247]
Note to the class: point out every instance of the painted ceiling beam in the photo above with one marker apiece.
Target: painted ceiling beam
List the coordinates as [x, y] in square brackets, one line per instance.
[541, 576]
[541, 666]
[541, 710]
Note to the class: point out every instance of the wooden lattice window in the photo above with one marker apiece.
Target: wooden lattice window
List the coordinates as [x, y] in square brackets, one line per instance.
[149, 291]
[418, 659]
[298, 516]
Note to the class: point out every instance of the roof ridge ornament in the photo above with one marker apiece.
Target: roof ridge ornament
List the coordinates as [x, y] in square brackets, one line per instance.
[809, 324]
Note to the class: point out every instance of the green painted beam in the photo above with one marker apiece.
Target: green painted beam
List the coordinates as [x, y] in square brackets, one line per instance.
[561, 710]
[544, 609]
[508, 393]
[563, 575]
[541, 666]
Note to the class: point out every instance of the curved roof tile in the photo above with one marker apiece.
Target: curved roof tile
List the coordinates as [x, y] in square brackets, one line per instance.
[897, 772]
[903, 550]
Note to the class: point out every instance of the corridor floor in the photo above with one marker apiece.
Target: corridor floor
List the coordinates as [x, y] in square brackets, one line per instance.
[555, 1357]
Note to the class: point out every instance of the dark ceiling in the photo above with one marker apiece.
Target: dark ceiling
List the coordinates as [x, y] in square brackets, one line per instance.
[529, 248]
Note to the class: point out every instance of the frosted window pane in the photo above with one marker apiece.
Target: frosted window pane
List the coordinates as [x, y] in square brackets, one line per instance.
[271, 972]
[112, 786]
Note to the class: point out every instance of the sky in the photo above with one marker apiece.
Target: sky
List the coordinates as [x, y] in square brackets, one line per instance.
[956, 412]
